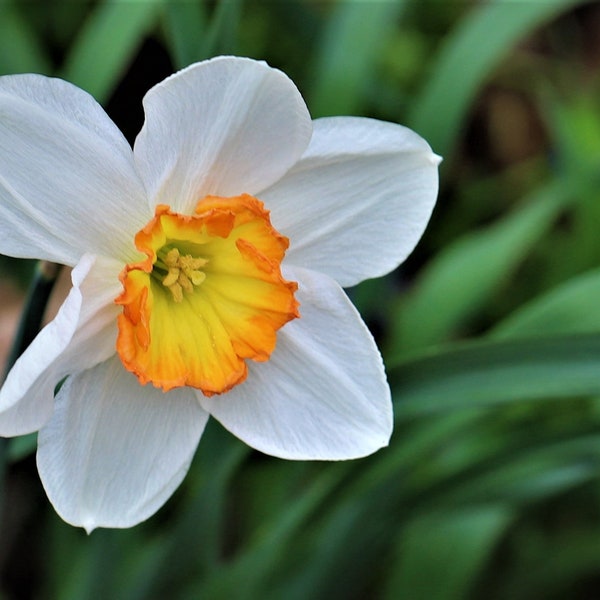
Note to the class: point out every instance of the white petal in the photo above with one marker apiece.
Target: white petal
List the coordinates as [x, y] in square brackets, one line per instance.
[224, 126]
[68, 184]
[114, 450]
[33, 410]
[82, 334]
[357, 203]
[323, 394]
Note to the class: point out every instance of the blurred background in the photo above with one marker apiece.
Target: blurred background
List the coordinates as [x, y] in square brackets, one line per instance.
[490, 488]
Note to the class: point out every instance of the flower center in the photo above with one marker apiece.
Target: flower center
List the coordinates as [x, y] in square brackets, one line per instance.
[208, 295]
[178, 273]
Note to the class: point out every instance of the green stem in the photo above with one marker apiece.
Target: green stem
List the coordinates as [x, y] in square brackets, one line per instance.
[38, 295]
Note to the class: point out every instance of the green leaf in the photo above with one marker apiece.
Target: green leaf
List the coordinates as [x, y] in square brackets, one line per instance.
[22, 446]
[526, 474]
[107, 43]
[440, 555]
[575, 128]
[202, 509]
[186, 25]
[490, 373]
[467, 58]
[568, 309]
[469, 272]
[193, 37]
[247, 575]
[20, 50]
[571, 556]
[346, 58]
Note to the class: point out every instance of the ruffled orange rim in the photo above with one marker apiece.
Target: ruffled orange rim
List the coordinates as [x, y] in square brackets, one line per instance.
[208, 296]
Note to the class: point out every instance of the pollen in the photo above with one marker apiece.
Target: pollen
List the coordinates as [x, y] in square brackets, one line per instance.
[183, 273]
[208, 297]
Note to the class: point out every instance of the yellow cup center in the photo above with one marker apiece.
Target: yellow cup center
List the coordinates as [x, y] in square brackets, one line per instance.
[208, 296]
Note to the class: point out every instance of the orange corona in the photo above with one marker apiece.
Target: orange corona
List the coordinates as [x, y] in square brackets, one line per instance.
[208, 295]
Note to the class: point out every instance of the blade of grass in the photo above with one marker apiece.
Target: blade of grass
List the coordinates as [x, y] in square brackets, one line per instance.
[451, 547]
[524, 475]
[247, 576]
[464, 276]
[568, 309]
[106, 45]
[20, 50]
[467, 58]
[346, 58]
[490, 373]
[186, 26]
[193, 36]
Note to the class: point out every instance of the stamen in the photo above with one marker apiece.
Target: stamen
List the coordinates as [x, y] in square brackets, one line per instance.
[183, 272]
[172, 277]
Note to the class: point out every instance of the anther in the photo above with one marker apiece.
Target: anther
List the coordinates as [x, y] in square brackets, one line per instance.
[183, 273]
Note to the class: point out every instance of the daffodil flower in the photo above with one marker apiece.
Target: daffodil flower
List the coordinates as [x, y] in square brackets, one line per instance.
[208, 267]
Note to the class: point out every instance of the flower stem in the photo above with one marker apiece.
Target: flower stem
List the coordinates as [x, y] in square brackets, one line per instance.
[38, 295]
[40, 288]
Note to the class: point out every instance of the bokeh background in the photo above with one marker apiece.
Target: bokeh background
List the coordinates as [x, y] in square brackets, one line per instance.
[490, 488]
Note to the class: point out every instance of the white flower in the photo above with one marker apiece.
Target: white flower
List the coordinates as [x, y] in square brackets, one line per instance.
[176, 232]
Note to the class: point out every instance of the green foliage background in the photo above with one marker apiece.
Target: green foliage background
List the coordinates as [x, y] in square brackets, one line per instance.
[490, 331]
